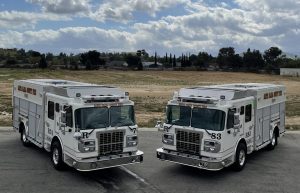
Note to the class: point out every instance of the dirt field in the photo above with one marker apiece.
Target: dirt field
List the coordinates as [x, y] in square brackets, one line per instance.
[150, 89]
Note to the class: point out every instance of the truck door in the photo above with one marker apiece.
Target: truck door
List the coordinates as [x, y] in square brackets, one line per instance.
[53, 124]
[66, 130]
[233, 133]
[50, 128]
[245, 127]
[249, 125]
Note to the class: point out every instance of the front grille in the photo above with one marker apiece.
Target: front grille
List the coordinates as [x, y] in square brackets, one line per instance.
[110, 142]
[188, 142]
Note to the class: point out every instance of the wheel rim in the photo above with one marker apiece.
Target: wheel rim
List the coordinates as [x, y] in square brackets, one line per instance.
[55, 156]
[24, 137]
[242, 157]
[273, 140]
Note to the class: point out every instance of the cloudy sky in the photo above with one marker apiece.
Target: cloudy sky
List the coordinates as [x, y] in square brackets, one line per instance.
[155, 25]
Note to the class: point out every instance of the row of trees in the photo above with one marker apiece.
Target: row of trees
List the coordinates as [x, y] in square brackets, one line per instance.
[250, 60]
[253, 60]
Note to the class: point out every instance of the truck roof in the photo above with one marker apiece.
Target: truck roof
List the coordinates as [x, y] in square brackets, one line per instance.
[69, 88]
[244, 86]
[62, 83]
[228, 91]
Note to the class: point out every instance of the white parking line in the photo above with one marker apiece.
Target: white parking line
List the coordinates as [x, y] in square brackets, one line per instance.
[134, 175]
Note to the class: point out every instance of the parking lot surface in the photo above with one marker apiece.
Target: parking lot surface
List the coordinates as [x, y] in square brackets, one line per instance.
[29, 170]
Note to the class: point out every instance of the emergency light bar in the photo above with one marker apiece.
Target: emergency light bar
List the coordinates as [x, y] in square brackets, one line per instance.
[94, 98]
[198, 99]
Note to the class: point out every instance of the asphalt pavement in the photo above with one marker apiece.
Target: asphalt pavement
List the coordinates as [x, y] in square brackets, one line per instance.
[29, 170]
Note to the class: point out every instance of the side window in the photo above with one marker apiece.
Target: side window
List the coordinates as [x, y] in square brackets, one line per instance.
[248, 113]
[57, 107]
[230, 118]
[242, 111]
[69, 116]
[51, 110]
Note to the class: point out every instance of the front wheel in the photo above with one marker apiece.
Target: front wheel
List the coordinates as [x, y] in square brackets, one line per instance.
[56, 156]
[240, 157]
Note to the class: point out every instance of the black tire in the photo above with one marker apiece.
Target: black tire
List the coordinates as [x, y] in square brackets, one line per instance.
[56, 156]
[240, 157]
[274, 141]
[23, 137]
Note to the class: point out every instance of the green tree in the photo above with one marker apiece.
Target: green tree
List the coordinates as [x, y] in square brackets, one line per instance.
[49, 56]
[21, 54]
[193, 60]
[32, 53]
[228, 59]
[91, 60]
[253, 60]
[34, 57]
[271, 57]
[203, 59]
[155, 60]
[174, 61]
[43, 63]
[134, 62]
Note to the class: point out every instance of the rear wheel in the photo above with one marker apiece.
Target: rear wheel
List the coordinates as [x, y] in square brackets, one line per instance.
[240, 157]
[56, 156]
[24, 139]
[273, 142]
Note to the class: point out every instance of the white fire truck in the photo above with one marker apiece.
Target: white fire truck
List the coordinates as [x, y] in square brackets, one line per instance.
[85, 126]
[213, 127]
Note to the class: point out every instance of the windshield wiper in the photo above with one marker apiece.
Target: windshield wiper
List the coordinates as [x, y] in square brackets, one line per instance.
[94, 130]
[131, 128]
[168, 128]
[207, 131]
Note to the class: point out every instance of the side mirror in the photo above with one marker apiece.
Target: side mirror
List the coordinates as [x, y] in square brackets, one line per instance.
[236, 120]
[77, 135]
[63, 117]
[159, 126]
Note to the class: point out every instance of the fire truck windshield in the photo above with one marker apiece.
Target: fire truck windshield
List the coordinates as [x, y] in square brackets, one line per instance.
[203, 118]
[101, 117]
[179, 115]
[122, 116]
[210, 119]
[92, 118]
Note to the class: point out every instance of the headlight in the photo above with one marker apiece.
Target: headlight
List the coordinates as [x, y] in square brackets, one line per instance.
[131, 141]
[212, 146]
[168, 138]
[86, 146]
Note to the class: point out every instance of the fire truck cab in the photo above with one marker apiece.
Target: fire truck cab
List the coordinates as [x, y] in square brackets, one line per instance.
[212, 127]
[85, 126]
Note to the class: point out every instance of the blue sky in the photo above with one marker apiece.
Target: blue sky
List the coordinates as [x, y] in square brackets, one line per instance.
[174, 26]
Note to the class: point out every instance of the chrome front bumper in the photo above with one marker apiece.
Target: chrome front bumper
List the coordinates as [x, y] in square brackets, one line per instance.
[193, 161]
[105, 162]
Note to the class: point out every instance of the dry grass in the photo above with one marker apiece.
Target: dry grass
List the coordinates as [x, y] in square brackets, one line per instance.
[150, 89]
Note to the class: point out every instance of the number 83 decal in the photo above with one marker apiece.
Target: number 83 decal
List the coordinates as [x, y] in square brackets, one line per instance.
[217, 136]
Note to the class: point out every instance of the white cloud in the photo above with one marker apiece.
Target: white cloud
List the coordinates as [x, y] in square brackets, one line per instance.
[257, 24]
[17, 19]
[122, 11]
[71, 39]
[63, 6]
